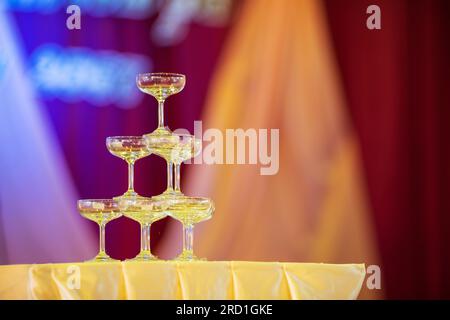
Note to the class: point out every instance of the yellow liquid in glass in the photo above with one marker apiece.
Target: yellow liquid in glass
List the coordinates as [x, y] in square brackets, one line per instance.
[129, 153]
[173, 153]
[162, 91]
[191, 211]
[143, 210]
[145, 216]
[99, 216]
[172, 149]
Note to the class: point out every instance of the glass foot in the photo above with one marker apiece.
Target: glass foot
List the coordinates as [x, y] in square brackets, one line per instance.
[170, 194]
[102, 257]
[161, 131]
[188, 256]
[130, 195]
[144, 256]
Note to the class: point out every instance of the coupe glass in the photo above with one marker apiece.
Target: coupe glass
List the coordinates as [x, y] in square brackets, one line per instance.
[130, 149]
[190, 211]
[161, 86]
[145, 211]
[175, 149]
[100, 211]
[188, 147]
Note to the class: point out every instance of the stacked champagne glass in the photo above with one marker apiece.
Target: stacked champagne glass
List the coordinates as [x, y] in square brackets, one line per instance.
[175, 149]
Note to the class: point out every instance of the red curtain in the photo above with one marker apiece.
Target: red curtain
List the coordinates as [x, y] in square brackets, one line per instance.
[397, 85]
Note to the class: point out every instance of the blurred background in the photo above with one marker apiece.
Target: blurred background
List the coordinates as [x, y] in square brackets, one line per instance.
[363, 117]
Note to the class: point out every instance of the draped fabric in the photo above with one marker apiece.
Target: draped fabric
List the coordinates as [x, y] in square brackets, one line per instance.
[277, 72]
[230, 280]
[38, 218]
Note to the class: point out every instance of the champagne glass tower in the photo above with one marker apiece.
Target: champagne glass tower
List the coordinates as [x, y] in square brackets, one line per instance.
[175, 149]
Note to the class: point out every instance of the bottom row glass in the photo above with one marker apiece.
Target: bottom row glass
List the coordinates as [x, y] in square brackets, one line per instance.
[188, 210]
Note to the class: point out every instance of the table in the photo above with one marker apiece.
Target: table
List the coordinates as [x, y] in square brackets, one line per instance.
[182, 280]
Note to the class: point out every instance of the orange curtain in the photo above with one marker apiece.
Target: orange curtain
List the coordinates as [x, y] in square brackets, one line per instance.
[278, 71]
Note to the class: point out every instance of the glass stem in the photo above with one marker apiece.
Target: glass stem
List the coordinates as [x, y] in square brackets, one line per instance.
[102, 249]
[145, 238]
[177, 177]
[169, 176]
[160, 113]
[131, 176]
[188, 237]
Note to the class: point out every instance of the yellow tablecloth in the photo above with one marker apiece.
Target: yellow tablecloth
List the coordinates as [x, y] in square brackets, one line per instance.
[182, 280]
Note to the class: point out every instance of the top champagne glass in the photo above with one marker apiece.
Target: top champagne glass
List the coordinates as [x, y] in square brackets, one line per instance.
[161, 86]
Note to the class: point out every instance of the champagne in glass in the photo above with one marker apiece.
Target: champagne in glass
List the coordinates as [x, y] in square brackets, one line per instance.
[190, 211]
[130, 149]
[187, 148]
[145, 212]
[100, 211]
[161, 86]
[175, 149]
